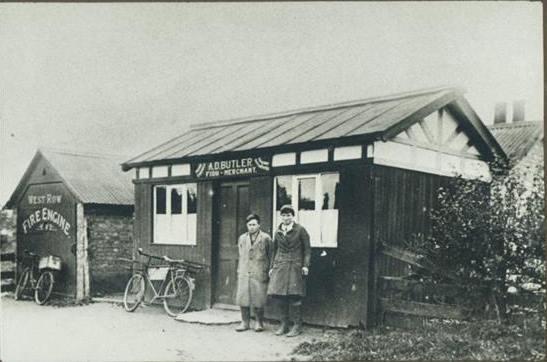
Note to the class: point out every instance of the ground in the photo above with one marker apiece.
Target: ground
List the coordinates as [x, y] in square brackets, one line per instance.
[105, 332]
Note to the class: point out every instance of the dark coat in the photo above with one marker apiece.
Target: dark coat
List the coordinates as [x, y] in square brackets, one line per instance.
[290, 253]
[252, 270]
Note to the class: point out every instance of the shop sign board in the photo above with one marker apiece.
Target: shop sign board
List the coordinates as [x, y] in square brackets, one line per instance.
[243, 166]
[46, 208]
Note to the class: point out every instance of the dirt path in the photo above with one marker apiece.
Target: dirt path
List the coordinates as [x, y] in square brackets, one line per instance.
[105, 332]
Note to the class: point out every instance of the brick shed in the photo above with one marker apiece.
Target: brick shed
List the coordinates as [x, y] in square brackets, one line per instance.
[79, 207]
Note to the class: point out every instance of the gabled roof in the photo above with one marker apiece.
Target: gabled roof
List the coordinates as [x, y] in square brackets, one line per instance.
[92, 178]
[367, 119]
[518, 138]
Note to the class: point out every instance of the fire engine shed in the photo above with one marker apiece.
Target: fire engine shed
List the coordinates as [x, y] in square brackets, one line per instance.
[78, 207]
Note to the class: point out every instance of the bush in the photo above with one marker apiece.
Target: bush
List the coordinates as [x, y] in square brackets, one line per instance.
[489, 235]
[439, 341]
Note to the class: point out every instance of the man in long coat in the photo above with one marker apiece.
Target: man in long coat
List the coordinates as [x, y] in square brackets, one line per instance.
[252, 273]
[290, 264]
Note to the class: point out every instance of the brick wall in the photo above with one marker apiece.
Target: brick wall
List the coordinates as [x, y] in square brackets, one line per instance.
[110, 236]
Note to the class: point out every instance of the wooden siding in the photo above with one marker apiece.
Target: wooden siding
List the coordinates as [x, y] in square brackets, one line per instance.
[261, 201]
[403, 200]
[199, 253]
[338, 281]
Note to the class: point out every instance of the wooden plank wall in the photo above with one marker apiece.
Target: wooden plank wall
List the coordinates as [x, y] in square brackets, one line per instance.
[261, 201]
[200, 253]
[403, 200]
[338, 281]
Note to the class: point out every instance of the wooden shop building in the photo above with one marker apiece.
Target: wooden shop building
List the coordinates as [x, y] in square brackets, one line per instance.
[358, 174]
[78, 207]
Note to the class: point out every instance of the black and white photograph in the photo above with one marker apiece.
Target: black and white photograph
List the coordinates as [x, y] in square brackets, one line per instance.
[272, 181]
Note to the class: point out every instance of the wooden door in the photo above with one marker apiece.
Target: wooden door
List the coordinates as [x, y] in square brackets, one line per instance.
[232, 208]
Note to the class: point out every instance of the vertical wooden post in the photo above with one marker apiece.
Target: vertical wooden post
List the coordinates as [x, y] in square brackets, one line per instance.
[82, 266]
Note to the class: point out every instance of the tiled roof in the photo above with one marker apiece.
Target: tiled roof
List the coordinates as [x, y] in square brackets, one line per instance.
[92, 178]
[363, 117]
[517, 139]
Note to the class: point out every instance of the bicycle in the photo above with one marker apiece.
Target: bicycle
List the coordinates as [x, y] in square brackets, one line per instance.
[175, 291]
[45, 266]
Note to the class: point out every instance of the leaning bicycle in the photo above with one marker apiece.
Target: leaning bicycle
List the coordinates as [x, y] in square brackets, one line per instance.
[38, 275]
[176, 288]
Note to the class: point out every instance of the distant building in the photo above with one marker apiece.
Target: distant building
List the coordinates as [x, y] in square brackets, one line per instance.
[522, 141]
[79, 207]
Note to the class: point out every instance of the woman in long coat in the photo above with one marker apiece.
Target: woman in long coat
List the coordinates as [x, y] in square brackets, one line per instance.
[252, 273]
[290, 264]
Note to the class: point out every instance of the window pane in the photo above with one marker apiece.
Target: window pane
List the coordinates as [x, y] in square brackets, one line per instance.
[331, 184]
[192, 195]
[284, 191]
[161, 200]
[306, 194]
[176, 200]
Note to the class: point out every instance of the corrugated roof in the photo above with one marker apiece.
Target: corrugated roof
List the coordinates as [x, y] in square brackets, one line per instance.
[517, 139]
[93, 178]
[373, 117]
[298, 126]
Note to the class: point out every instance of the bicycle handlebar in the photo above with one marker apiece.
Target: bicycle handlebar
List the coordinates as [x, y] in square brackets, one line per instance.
[172, 261]
[141, 252]
[186, 263]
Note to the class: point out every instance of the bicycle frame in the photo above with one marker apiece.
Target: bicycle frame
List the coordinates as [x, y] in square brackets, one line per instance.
[159, 293]
[173, 272]
[30, 262]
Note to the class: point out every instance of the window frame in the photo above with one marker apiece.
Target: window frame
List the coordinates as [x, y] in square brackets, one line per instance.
[295, 200]
[183, 241]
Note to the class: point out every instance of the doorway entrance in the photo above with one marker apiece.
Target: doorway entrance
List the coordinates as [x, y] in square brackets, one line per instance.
[231, 209]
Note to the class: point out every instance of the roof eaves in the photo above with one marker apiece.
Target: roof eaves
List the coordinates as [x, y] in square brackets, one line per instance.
[369, 137]
[416, 115]
[495, 148]
[15, 196]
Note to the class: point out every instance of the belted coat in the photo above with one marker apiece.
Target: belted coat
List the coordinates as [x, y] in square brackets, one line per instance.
[290, 253]
[252, 270]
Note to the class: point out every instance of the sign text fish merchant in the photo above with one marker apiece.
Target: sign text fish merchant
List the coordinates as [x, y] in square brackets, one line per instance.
[241, 166]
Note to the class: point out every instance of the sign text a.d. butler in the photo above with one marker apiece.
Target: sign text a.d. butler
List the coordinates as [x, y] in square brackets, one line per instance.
[243, 166]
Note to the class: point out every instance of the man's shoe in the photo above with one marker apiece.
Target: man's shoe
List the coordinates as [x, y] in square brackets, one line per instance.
[245, 319]
[296, 330]
[259, 326]
[242, 327]
[283, 328]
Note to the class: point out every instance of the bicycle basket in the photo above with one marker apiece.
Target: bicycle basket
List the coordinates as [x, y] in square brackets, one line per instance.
[157, 273]
[50, 262]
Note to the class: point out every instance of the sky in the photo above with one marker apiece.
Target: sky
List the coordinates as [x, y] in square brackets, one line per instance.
[120, 78]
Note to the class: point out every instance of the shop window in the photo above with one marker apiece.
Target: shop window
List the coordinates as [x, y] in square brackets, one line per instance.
[315, 200]
[175, 214]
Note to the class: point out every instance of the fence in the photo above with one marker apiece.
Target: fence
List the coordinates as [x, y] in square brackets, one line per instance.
[7, 250]
[410, 301]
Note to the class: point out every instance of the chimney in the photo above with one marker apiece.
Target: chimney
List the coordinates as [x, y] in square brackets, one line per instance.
[500, 113]
[518, 111]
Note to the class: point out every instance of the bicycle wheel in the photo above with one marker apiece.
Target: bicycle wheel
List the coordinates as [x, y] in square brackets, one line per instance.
[44, 286]
[134, 292]
[178, 296]
[22, 283]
